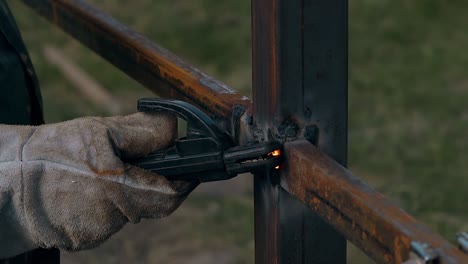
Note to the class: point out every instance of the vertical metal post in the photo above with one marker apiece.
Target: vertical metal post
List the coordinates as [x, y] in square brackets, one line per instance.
[299, 90]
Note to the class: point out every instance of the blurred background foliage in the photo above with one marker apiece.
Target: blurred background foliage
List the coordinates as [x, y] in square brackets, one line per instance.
[408, 113]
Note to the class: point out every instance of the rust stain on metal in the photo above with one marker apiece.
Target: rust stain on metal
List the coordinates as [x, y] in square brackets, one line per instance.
[153, 66]
[265, 64]
[265, 90]
[273, 52]
[364, 216]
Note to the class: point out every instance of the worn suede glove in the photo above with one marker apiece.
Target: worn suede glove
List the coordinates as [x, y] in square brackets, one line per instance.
[64, 185]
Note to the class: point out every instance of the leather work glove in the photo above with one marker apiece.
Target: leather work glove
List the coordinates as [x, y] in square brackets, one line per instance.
[64, 185]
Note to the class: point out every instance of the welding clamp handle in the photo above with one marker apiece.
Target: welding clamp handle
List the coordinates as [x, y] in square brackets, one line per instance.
[199, 124]
[206, 153]
[198, 155]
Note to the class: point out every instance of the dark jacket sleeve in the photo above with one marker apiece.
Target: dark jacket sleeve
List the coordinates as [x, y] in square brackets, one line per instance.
[19, 85]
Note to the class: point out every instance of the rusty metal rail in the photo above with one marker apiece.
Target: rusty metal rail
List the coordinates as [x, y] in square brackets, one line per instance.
[363, 216]
[153, 66]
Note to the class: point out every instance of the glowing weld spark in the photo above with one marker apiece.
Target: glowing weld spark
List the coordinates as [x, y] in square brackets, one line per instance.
[275, 153]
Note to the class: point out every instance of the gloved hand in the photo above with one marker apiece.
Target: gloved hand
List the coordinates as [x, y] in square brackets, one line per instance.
[64, 185]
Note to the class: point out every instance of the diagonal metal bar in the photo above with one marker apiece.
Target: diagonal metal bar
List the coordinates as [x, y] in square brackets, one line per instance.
[364, 216]
[148, 63]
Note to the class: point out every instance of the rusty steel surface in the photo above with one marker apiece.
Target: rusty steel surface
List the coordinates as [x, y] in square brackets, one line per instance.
[148, 63]
[367, 218]
[299, 86]
[264, 88]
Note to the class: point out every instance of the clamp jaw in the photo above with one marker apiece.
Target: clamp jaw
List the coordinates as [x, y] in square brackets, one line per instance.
[206, 153]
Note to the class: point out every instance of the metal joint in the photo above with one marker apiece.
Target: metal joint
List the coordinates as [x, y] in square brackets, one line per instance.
[287, 130]
[462, 240]
[422, 253]
[311, 134]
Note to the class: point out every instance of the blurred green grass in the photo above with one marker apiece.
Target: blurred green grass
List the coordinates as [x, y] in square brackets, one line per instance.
[408, 105]
[408, 88]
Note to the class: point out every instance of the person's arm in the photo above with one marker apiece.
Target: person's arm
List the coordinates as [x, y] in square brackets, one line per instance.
[64, 185]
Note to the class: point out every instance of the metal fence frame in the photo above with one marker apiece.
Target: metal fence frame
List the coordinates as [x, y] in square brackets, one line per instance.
[304, 214]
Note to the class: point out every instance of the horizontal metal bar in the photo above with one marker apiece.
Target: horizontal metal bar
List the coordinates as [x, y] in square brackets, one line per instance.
[140, 58]
[364, 216]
